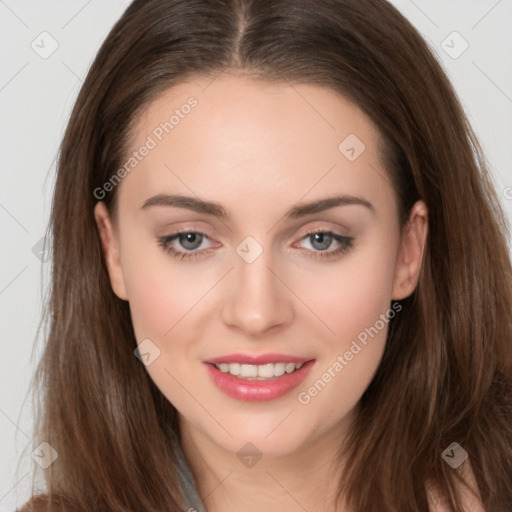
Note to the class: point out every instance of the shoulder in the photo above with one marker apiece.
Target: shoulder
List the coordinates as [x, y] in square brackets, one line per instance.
[470, 495]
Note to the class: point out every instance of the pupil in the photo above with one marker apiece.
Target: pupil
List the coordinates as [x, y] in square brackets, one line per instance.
[191, 240]
[324, 240]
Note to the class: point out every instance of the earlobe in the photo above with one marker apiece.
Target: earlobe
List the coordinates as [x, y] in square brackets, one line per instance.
[410, 256]
[110, 250]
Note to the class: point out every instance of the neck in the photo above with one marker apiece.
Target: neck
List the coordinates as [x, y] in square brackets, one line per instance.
[306, 479]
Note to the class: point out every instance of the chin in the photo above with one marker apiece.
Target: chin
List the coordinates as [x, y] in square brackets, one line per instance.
[269, 435]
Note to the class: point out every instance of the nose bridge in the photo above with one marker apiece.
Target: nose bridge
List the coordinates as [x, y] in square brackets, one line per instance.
[258, 300]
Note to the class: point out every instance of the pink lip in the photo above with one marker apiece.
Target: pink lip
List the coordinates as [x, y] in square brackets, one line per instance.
[253, 359]
[258, 390]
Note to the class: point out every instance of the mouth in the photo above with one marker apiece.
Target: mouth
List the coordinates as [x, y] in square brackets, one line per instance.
[258, 372]
[258, 378]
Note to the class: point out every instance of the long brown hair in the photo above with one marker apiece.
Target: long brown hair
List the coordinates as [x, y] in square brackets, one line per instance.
[446, 371]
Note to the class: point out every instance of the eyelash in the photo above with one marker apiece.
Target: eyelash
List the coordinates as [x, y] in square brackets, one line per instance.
[346, 244]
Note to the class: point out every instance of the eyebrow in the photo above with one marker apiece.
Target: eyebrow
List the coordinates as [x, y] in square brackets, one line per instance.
[210, 208]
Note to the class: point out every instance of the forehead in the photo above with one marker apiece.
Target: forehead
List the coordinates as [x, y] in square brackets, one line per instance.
[233, 135]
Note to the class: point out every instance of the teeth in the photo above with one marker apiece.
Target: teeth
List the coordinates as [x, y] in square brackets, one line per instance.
[279, 369]
[265, 370]
[258, 372]
[289, 367]
[233, 368]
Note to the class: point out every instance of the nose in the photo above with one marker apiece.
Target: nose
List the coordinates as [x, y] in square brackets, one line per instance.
[258, 300]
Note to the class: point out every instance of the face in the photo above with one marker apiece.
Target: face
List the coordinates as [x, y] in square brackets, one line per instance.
[257, 242]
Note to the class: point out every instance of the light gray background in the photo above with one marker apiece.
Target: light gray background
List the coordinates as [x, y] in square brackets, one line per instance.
[36, 96]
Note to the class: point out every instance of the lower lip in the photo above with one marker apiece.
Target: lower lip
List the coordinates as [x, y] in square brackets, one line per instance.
[258, 390]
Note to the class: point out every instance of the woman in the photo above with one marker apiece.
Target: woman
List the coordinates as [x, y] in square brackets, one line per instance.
[280, 275]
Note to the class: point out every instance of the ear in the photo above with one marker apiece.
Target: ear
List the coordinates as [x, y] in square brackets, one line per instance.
[110, 250]
[410, 256]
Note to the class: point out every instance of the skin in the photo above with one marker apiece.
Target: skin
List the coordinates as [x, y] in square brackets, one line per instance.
[258, 149]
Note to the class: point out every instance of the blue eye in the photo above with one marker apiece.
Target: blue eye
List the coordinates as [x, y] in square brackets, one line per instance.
[320, 241]
[191, 241]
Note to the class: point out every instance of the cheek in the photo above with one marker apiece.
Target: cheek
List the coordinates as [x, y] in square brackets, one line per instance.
[355, 304]
[163, 301]
[351, 296]
[160, 291]
[337, 302]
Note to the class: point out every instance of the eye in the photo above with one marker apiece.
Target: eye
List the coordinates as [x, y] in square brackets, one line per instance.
[189, 244]
[320, 241]
[188, 240]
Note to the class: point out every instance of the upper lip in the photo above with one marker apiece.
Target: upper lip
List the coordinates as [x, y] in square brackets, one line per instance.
[257, 359]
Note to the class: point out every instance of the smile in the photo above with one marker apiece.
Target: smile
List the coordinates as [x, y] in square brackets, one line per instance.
[258, 378]
[258, 372]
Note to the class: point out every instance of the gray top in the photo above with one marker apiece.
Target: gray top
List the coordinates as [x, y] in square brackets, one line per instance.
[187, 483]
